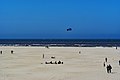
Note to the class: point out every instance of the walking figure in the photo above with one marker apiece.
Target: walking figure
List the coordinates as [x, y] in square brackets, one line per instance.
[109, 68]
[47, 46]
[116, 47]
[105, 59]
[55, 62]
[11, 51]
[104, 64]
[79, 52]
[0, 52]
[43, 56]
[59, 62]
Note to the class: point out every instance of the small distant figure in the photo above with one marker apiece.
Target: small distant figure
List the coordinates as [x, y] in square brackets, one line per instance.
[55, 62]
[69, 29]
[116, 47]
[119, 62]
[79, 52]
[59, 62]
[104, 64]
[51, 62]
[0, 52]
[109, 68]
[105, 59]
[12, 51]
[47, 47]
[43, 56]
[53, 57]
[46, 62]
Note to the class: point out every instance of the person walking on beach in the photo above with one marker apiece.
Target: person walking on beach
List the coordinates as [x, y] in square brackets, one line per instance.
[105, 59]
[116, 47]
[104, 64]
[109, 68]
[0, 52]
[12, 51]
[43, 56]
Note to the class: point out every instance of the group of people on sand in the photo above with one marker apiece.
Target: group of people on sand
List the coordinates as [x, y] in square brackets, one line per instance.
[109, 67]
[1, 52]
[52, 62]
[55, 62]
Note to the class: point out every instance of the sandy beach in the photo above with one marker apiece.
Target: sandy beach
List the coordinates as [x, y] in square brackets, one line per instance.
[27, 63]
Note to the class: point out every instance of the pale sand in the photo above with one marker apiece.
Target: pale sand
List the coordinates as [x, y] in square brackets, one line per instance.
[25, 63]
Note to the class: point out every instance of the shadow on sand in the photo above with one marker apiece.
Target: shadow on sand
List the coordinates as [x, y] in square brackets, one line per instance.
[113, 72]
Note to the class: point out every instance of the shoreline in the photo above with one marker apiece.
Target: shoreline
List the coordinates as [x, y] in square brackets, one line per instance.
[64, 46]
[61, 42]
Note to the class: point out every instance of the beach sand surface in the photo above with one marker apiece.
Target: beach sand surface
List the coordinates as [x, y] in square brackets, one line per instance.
[27, 63]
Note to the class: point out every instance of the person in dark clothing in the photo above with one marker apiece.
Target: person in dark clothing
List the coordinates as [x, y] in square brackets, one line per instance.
[104, 64]
[116, 47]
[55, 62]
[0, 52]
[43, 56]
[47, 46]
[110, 68]
[51, 62]
[105, 59]
[12, 51]
[59, 62]
[107, 69]
[79, 52]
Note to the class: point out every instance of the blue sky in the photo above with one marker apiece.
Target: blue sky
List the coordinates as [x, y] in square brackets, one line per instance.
[45, 19]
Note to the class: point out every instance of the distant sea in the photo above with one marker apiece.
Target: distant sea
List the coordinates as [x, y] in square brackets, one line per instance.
[61, 42]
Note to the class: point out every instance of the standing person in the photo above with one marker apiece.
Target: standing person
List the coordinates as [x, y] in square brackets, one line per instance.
[104, 64]
[107, 69]
[43, 56]
[0, 52]
[116, 47]
[105, 59]
[110, 68]
[12, 51]
[79, 52]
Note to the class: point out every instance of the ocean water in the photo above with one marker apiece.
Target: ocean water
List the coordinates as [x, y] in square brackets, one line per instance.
[60, 42]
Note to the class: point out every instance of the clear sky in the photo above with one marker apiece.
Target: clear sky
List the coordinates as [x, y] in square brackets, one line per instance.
[46, 19]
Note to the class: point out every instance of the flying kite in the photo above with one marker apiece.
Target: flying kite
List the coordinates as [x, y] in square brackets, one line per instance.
[69, 29]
